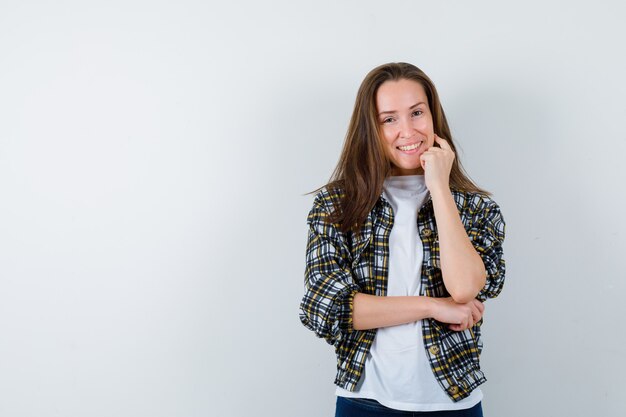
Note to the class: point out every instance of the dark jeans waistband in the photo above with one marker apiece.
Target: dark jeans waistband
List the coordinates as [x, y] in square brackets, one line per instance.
[362, 407]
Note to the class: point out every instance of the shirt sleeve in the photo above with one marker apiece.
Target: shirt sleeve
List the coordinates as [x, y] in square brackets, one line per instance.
[327, 305]
[487, 236]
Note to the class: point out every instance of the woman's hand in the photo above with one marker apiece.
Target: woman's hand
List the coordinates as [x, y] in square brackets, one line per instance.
[458, 316]
[437, 164]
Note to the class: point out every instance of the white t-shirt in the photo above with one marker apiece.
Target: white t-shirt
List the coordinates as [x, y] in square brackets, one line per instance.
[397, 371]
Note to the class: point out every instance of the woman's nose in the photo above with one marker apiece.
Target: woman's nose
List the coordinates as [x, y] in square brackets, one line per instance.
[406, 128]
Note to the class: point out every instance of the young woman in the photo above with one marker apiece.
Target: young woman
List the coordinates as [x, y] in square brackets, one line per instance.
[403, 248]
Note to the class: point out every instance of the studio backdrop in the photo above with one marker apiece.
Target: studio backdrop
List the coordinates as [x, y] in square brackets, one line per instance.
[155, 160]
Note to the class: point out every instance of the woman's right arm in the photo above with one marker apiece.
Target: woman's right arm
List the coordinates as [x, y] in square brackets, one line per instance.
[372, 312]
[333, 304]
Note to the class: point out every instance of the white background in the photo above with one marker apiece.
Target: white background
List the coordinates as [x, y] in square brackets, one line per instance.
[154, 158]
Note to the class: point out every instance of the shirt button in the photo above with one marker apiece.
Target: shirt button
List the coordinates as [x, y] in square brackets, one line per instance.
[427, 232]
[434, 349]
[453, 389]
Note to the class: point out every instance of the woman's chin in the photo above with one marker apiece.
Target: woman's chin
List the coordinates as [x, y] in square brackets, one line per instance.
[400, 171]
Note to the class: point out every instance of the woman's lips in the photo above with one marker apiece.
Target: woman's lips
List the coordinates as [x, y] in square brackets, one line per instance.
[409, 148]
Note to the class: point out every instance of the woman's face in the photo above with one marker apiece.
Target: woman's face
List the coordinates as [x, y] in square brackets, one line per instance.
[406, 124]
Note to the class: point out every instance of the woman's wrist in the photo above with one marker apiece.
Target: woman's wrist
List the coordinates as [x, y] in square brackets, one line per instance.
[430, 305]
[441, 192]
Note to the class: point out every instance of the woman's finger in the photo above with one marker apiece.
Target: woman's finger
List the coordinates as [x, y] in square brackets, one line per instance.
[467, 322]
[442, 143]
[476, 315]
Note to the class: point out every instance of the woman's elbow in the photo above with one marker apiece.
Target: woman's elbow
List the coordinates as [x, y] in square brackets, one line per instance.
[466, 293]
[463, 297]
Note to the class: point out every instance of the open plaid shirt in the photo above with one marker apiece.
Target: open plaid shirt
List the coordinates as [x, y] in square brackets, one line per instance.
[338, 265]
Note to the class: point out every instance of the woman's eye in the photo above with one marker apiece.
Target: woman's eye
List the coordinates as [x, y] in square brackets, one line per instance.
[388, 120]
[417, 113]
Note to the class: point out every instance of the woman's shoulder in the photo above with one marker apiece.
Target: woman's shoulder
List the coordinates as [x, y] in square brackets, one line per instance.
[329, 197]
[474, 201]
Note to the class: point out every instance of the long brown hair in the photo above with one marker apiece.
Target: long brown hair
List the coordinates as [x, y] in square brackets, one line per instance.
[363, 164]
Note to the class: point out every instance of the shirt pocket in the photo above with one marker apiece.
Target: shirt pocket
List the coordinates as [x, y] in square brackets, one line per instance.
[361, 264]
[430, 244]
[433, 260]
[432, 279]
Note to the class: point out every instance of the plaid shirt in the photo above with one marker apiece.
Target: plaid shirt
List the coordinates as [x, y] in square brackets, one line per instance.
[338, 265]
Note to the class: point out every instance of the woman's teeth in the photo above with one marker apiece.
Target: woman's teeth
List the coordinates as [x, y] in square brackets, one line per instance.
[410, 147]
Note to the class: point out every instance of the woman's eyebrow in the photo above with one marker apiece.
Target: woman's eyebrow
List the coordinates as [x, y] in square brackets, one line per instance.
[395, 111]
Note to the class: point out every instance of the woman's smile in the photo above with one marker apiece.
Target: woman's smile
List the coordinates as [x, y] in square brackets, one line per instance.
[406, 124]
[409, 149]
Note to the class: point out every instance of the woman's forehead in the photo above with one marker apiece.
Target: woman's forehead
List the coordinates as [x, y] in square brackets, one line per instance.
[398, 95]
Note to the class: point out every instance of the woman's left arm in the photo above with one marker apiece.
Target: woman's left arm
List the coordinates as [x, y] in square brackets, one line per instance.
[462, 268]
